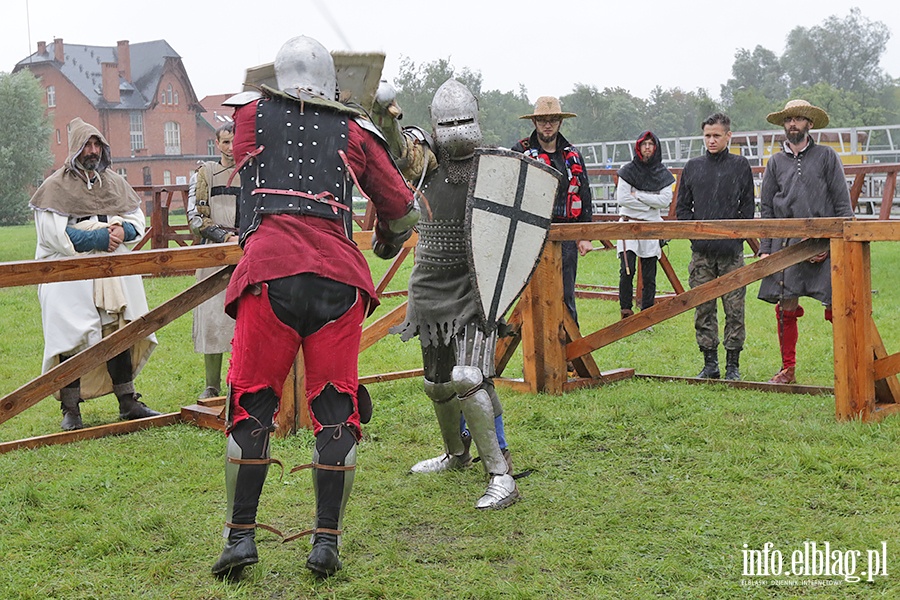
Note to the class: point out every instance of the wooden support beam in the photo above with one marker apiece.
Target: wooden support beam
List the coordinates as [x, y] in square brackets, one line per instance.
[382, 377]
[585, 366]
[871, 231]
[392, 270]
[758, 386]
[854, 373]
[666, 309]
[887, 196]
[886, 367]
[506, 346]
[380, 327]
[56, 378]
[670, 274]
[91, 433]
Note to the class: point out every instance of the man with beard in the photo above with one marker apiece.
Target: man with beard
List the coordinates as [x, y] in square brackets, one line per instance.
[457, 346]
[212, 204]
[574, 203]
[302, 283]
[717, 185]
[643, 193]
[806, 180]
[86, 208]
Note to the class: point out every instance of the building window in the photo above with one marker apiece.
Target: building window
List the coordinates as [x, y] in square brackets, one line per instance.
[211, 147]
[123, 172]
[148, 179]
[51, 96]
[167, 177]
[58, 138]
[173, 137]
[169, 94]
[162, 98]
[176, 97]
[137, 130]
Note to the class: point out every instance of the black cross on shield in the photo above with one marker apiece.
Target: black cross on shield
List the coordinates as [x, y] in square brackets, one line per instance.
[508, 212]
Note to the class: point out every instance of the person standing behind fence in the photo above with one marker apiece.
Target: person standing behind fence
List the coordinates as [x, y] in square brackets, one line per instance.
[211, 213]
[574, 203]
[717, 185]
[86, 208]
[805, 180]
[643, 193]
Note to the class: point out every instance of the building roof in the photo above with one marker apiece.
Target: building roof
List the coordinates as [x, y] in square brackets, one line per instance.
[82, 67]
[216, 113]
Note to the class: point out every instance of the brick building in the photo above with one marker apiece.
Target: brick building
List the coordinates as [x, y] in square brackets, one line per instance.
[138, 95]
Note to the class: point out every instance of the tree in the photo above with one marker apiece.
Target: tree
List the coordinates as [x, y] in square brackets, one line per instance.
[845, 108]
[24, 143]
[416, 85]
[748, 110]
[609, 115]
[844, 53]
[674, 112]
[499, 116]
[760, 70]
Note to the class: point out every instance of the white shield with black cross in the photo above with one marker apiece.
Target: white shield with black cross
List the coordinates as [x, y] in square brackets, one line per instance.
[508, 212]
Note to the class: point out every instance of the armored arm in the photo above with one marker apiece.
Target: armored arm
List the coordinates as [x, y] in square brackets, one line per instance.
[410, 147]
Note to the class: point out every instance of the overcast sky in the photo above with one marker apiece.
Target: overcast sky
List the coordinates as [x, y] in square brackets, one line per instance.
[547, 47]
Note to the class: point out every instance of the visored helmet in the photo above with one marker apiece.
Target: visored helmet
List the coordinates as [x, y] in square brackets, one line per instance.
[303, 65]
[454, 117]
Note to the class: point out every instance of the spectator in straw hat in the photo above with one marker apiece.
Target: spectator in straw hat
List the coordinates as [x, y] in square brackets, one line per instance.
[804, 180]
[573, 204]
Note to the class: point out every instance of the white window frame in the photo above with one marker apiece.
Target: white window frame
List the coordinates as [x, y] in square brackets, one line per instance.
[51, 96]
[136, 126]
[172, 136]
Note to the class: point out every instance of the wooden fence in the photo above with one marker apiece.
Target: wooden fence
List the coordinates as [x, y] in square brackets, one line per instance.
[866, 386]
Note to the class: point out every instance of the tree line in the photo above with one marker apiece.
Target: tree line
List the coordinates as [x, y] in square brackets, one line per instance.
[834, 65]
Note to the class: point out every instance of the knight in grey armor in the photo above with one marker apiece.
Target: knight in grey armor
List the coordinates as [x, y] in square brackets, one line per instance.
[457, 345]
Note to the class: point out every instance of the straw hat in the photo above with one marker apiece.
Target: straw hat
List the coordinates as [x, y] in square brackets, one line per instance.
[800, 108]
[548, 106]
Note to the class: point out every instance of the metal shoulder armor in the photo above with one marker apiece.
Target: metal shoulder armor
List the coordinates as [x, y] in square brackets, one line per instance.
[243, 98]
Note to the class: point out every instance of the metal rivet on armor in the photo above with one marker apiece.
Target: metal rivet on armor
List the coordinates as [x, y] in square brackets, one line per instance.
[339, 168]
[312, 160]
[290, 142]
[259, 131]
[315, 143]
[302, 128]
[290, 158]
[315, 126]
[343, 136]
[310, 177]
[290, 205]
[288, 123]
[290, 174]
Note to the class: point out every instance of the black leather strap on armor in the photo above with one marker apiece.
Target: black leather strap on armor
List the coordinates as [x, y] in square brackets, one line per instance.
[300, 153]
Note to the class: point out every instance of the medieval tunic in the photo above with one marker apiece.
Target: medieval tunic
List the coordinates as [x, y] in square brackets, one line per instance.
[212, 327]
[441, 297]
[810, 184]
[70, 316]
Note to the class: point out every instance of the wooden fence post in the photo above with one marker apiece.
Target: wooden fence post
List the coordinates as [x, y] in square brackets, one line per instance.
[854, 371]
[543, 329]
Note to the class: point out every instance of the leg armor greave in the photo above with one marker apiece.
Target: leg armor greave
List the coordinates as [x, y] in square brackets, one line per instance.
[246, 466]
[456, 449]
[478, 408]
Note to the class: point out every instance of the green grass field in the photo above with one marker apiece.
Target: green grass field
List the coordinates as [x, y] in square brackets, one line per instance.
[640, 489]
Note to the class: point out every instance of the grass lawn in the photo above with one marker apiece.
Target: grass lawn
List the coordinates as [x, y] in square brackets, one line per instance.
[639, 489]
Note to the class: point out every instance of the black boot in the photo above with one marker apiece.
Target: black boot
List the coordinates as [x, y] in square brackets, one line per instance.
[324, 560]
[240, 551]
[711, 364]
[69, 398]
[130, 407]
[732, 365]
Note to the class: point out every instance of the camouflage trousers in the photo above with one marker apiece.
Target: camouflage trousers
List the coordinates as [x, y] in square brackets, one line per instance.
[705, 268]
